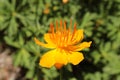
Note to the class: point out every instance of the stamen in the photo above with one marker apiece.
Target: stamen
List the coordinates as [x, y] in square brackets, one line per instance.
[51, 28]
[64, 26]
[62, 36]
[61, 41]
[69, 32]
[61, 27]
[56, 26]
[67, 36]
[64, 33]
[70, 26]
[52, 36]
[74, 30]
[58, 39]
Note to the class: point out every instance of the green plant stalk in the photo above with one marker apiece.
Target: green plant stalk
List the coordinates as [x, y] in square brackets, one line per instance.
[61, 74]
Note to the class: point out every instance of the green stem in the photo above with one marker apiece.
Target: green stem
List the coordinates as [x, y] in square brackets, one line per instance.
[61, 74]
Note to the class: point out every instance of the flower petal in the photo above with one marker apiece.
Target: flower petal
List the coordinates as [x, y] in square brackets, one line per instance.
[75, 58]
[78, 36]
[48, 59]
[43, 44]
[61, 57]
[82, 46]
[78, 47]
[48, 39]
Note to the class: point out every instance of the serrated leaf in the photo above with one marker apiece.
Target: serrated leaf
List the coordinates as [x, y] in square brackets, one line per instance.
[22, 58]
[10, 42]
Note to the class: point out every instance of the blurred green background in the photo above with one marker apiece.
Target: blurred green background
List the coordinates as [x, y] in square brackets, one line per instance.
[22, 20]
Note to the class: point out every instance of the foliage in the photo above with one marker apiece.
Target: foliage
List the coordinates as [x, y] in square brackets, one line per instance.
[22, 20]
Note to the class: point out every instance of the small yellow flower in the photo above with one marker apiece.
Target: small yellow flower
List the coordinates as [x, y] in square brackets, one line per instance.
[65, 44]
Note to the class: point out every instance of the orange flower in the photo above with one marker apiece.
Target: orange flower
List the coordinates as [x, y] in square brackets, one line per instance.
[65, 45]
[46, 11]
[65, 1]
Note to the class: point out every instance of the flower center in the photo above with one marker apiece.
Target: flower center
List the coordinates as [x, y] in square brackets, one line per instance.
[61, 36]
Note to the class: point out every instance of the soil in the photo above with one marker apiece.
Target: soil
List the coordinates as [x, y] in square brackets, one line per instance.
[7, 70]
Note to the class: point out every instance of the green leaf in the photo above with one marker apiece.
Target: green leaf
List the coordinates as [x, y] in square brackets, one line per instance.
[22, 58]
[48, 72]
[87, 17]
[33, 47]
[97, 56]
[13, 28]
[107, 46]
[11, 42]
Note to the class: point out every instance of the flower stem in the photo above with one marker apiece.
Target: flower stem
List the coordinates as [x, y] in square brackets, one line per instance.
[61, 74]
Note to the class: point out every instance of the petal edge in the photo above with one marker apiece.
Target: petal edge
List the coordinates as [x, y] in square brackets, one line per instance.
[75, 58]
[48, 59]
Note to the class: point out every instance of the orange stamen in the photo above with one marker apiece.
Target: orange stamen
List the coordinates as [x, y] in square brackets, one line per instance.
[74, 30]
[56, 26]
[52, 28]
[61, 27]
[52, 36]
[64, 26]
[70, 25]
[64, 33]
